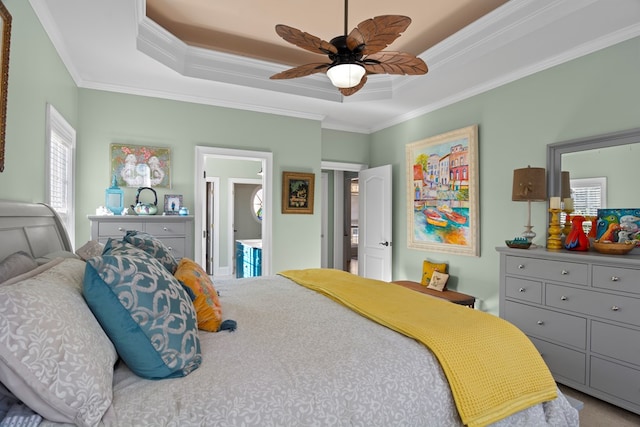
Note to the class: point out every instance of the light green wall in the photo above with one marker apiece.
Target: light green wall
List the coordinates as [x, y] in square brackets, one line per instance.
[36, 76]
[107, 117]
[595, 94]
[345, 147]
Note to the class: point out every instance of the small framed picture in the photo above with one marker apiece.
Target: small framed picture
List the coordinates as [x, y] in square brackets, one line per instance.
[297, 192]
[172, 204]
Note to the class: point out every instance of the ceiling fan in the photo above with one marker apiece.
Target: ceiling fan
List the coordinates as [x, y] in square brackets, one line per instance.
[354, 55]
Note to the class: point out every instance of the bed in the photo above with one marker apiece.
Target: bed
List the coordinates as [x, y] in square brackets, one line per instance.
[296, 358]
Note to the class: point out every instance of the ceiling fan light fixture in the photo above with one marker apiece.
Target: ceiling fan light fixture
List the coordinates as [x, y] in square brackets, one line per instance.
[345, 75]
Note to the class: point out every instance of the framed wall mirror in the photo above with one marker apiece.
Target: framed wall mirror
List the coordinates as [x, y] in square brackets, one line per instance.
[613, 155]
[5, 33]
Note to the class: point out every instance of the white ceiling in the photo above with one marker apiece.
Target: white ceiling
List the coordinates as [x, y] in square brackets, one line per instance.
[112, 45]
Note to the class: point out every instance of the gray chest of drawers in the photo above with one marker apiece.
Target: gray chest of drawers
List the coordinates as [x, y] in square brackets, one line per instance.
[176, 232]
[582, 312]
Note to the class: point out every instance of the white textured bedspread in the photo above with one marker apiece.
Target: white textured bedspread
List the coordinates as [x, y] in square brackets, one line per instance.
[301, 359]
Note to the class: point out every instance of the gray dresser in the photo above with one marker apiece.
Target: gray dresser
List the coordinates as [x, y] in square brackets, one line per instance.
[582, 312]
[175, 231]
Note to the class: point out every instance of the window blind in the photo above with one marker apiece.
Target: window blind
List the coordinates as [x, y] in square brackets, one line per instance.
[61, 141]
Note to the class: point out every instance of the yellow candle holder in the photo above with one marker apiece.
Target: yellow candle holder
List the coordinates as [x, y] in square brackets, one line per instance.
[554, 241]
[567, 222]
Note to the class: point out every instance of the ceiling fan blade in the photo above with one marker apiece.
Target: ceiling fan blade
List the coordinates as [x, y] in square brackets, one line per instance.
[303, 70]
[394, 63]
[377, 33]
[305, 40]
[351, 90]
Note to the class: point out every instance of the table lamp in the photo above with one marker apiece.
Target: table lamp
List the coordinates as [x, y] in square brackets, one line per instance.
[529, 185]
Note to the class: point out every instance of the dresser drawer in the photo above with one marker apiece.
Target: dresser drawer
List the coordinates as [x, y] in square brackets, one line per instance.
[616, 341]
[607, 306]
[559, 327]
[616, 380]
[558, 271]
[523, 289]
[563, 362]
[117, 228]
[616, 278]
[159, 229]
[175, 244]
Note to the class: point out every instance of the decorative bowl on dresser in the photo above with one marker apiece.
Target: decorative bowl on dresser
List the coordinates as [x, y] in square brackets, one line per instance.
[176, 232]
[582, 311]
[614, 248]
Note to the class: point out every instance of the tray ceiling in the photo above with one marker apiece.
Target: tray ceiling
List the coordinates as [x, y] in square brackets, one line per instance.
[222, 53]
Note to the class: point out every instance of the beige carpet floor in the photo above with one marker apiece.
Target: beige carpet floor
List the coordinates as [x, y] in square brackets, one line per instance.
[597, 413]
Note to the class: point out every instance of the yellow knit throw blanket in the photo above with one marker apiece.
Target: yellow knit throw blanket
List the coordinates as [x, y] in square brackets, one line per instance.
[492, 367]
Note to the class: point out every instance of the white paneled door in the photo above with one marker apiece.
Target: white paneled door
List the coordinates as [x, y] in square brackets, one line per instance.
[375, 242]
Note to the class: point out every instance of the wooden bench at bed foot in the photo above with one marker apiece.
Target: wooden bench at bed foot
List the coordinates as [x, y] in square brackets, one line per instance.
[453, 296]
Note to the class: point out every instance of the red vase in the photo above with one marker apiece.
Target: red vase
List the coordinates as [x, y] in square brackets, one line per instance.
[576, 240]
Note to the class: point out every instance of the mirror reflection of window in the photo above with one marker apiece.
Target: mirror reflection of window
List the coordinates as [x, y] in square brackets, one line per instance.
[257, 204]
[589, 195]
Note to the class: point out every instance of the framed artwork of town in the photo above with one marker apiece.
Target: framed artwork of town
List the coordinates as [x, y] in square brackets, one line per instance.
[442, 193]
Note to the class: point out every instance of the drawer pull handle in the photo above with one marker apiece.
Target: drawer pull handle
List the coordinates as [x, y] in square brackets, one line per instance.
[614, 278]
[165, 228]
[522, 290]
[615, 308]
[563, 298]
[521, 266]
[120, 229]
[564, 272]
[540, 322]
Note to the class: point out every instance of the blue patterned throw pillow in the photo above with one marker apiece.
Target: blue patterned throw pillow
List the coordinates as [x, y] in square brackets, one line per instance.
[145, 312]
[120, 247]
[154, 247]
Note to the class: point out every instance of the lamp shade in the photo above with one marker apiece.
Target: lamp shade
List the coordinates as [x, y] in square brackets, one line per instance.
[529, 184]
[565, 185]
[345, 75]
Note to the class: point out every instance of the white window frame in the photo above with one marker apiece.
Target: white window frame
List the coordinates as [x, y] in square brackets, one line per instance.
[59, 131]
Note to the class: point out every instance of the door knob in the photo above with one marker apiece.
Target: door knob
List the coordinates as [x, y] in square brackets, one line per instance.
[384, 243]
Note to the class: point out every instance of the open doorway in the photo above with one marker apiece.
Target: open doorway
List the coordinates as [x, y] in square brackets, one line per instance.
[245, 216]
[351, 226]
[215, 242]
[336, 219]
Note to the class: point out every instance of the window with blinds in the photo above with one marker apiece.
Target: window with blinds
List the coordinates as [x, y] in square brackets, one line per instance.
[589, 195]
[61, 142]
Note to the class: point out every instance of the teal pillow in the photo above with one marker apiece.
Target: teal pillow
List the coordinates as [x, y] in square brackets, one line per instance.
[153, 246]
[145, 312]
[120, 247]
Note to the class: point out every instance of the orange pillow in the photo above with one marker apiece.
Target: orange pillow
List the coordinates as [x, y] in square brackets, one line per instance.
[428, 268]
[206, 303]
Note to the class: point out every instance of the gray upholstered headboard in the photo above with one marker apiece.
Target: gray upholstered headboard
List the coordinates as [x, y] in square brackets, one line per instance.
[31, 227]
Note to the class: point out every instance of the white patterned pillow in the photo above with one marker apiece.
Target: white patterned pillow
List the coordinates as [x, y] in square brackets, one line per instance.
[54, 356]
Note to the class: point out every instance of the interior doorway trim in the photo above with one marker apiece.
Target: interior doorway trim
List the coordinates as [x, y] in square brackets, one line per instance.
[266, 159]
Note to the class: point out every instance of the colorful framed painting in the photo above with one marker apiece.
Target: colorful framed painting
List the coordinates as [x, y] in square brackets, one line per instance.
[141, 166]
[297, 192]
[5, 41]
[442, 193]
[619, 225]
